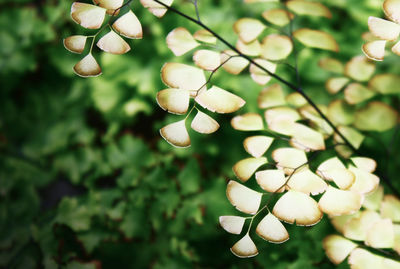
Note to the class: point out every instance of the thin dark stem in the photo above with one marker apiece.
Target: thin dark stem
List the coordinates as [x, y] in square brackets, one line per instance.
[229, 45]
[124, 5]
[300, 90]
[314, 154]
[294, 51]
[335, 129]
[288, 65]
[214, 71]
[196, 7]
[393, 255]
[280, 79]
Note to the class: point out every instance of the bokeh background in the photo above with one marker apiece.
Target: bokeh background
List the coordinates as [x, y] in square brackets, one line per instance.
[85, 179]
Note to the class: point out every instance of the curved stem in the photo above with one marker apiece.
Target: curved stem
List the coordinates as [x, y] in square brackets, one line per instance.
[280, 79]
[295, 88]
[294, 50]
[282, 186]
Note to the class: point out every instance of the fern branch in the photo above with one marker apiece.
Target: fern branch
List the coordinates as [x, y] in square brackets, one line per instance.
[277, 77]
[295, 88]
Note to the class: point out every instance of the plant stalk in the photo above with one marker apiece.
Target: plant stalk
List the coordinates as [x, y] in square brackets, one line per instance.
[280, 79]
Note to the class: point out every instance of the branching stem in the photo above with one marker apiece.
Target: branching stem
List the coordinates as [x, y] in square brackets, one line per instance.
[196, 7]
[280, 79]
[295, 88]
[315, 153]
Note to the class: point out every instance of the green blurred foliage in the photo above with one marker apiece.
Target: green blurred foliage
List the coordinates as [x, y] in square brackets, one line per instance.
[86, 181]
